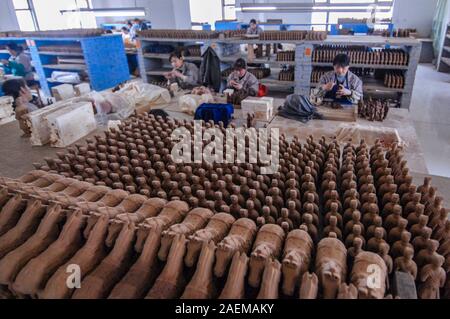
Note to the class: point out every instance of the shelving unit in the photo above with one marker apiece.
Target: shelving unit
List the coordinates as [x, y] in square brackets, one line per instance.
[105, 63]
[444, 61]
[228, 51]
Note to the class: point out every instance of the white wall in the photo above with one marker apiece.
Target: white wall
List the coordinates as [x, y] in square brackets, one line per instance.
[286, 17]
[164, 14]
[416, 14]
[8, 20]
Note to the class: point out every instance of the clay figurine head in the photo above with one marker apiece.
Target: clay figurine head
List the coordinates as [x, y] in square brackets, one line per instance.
[384, 249]
[308, 219]
[397, 210]
[357, 244]
[356, 216]
[405, 237]
[423, 220]
[378, 234]
[426, 233]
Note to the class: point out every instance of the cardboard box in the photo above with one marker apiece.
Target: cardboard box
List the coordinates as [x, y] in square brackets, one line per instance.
[261, 107]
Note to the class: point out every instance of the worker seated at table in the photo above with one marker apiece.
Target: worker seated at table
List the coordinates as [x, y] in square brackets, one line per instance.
[20, 92]
[242, 80]
[184, 73]
[253, 28]
[341, 85]
[19, 63]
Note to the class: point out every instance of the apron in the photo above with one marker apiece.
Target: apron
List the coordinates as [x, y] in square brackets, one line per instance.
[332, 94]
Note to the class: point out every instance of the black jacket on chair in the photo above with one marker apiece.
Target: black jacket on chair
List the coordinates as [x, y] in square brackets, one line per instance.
[210, 75]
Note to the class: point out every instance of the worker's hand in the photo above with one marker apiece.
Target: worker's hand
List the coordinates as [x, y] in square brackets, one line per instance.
[25, 95]
[168, 75]
[177, 74]
[343, 91]
[236, 85]
[329, 86]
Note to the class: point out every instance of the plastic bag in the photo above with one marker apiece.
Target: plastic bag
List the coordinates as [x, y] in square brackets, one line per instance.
[145, 94]
[190, 102]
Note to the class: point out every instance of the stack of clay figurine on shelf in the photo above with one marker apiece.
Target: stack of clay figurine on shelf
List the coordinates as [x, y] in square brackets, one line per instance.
[286, 56]
[394, 80]
[361, 55]
[399, 33]
[293, 36]
[310, 230]
[179, 34]
[287, 74]
[68, 33]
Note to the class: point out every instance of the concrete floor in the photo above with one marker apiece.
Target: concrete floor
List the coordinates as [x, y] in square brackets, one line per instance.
[430, 111]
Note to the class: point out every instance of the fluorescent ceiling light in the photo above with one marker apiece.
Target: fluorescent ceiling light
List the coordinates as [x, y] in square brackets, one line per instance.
[315, 7]
[110, 12]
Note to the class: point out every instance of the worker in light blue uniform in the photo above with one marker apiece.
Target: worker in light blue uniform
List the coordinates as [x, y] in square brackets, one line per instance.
[341, 85]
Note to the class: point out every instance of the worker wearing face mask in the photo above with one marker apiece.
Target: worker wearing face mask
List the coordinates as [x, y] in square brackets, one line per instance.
[184, 73]
[340, 85]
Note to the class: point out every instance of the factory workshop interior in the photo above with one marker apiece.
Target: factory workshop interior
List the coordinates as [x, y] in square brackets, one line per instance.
[193, 151]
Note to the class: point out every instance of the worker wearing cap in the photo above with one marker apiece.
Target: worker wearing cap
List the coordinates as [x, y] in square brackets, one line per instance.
[242, 80]
[340, 85]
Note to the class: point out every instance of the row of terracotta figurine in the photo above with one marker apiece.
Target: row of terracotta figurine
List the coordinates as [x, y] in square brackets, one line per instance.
[38, 264]
[362, 55]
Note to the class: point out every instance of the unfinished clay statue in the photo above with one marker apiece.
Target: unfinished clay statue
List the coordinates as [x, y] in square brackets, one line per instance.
[239, 239]
[297, 252]
[46, 234]
[347, 292]
[99, 283]
[331, 265]
[129, 205]
[25, 227]
[149, 208]
[270, 280]
[432, 277]
[268, 245]
[35, 274]
[141, 275]
[87, 258]
[194, 220]
[216, 229]
[170, 282]
[406, 263]
[201, 285]
[172, 213]
[309, 286]
[10, 213]
[235, 286]
[367, 264]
